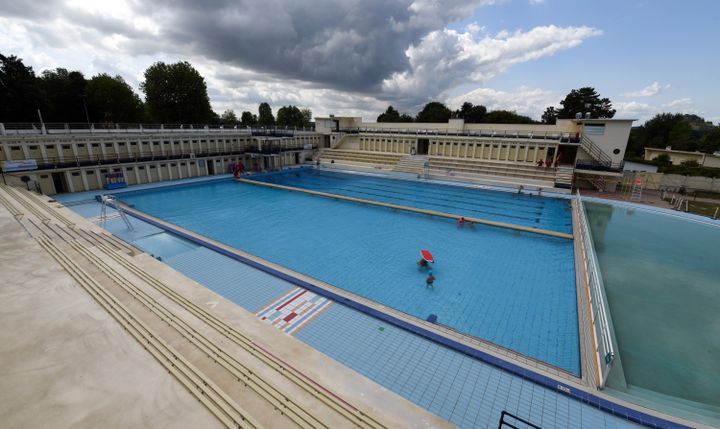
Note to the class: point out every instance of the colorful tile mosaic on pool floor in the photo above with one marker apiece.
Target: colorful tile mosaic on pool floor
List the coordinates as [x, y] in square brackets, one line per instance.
[293, 310]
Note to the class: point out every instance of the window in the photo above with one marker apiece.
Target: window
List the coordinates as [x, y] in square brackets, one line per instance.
[44, 176]
[32, 147]
[95, 145]
[156, 143]
[103, 171]
[133, 143]
[108, 145]
[192, 163]
[121, 144]
[14, 147]
[173, 165]
[80, 145]
[128, 168]
[152, 167]
[75, 173]
[163, 165]
[594, 129]
[89, 173]
[142, 167]
[66, 146]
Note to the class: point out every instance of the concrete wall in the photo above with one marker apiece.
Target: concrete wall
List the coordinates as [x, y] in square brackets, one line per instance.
[655, 181]
[614, 139]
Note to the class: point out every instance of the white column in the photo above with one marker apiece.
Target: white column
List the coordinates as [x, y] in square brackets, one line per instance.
[43, 152]
[84, 180]
[160, 172]
[98, 177]
[137, 174]
[68, 179]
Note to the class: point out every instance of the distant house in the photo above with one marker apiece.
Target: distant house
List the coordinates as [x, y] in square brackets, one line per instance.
[679, 156]
[639, 166]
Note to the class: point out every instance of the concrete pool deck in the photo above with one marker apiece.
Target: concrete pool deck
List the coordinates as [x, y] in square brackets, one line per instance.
[153, 262]
[106, 376]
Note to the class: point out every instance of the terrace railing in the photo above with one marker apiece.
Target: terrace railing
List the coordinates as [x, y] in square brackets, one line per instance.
[562, 137]
[602, 334]
[131, 128]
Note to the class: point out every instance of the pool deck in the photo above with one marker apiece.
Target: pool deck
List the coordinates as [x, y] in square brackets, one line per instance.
[561, 379]
[94, 334]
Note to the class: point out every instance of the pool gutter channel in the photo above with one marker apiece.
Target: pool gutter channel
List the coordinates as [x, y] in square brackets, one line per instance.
[517, 364]
[411, 209]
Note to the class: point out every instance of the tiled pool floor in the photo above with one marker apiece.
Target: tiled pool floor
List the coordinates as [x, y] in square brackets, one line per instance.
[463, 390]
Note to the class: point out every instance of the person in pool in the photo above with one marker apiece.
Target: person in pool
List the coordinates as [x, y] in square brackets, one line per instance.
[461, 222]
[422, 263]
[429, 281]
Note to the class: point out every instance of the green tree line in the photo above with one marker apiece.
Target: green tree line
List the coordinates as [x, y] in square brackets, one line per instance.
[173, 93]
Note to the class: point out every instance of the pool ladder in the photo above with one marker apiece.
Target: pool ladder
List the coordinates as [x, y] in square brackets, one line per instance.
[110, 200]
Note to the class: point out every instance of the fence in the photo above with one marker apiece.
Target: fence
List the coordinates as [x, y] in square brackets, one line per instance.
[602, 335]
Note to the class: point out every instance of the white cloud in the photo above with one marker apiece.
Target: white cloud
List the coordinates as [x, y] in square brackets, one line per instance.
[525, 101]
[653, 89]
[447, 58]
[644, 111]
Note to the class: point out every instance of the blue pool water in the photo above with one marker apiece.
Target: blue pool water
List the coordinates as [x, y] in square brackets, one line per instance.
[514, 289]
[526, 210]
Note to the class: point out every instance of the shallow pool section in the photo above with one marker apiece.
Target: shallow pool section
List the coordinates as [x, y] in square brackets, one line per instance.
[662, 280]
[508, 207]
[514, 289]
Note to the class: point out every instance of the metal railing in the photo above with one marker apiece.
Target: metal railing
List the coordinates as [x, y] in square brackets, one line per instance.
[562, 137]
[137, 128]
[604, 349]
[601, 160]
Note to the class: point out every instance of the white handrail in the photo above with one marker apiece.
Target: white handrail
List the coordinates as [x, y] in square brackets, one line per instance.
[605, 351]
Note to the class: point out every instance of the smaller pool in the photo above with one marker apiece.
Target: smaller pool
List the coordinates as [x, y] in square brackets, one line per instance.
[661, 276]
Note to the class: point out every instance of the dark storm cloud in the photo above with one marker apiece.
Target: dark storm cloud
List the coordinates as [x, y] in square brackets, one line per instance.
[352, 45]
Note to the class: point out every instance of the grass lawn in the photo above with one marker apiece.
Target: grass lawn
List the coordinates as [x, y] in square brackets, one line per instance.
[702, 208]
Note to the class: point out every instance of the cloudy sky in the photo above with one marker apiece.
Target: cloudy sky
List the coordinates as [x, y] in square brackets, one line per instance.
[354, 57]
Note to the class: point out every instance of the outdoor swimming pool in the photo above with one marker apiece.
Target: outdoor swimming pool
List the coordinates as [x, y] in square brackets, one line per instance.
[661, 280]
[521, 209]
[514, 289]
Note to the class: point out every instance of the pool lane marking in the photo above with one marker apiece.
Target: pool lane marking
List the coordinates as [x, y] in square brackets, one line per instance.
[412, 209]
[293, 310]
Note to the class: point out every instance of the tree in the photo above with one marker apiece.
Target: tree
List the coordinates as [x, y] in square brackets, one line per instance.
[585, 100]
[290, 116]
[228, 117]
[65, 91]
[710, 142]
[110, 99]
[390, 115]
[507, 117]
[307, 117]
[176, 93]
[549, 117]
[663, 159]
[20, 92]
[248, 119]
[470, 113]
[434, 111]
[265, 115]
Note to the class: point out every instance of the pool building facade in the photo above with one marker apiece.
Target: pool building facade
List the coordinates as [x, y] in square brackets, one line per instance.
[543, 327]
